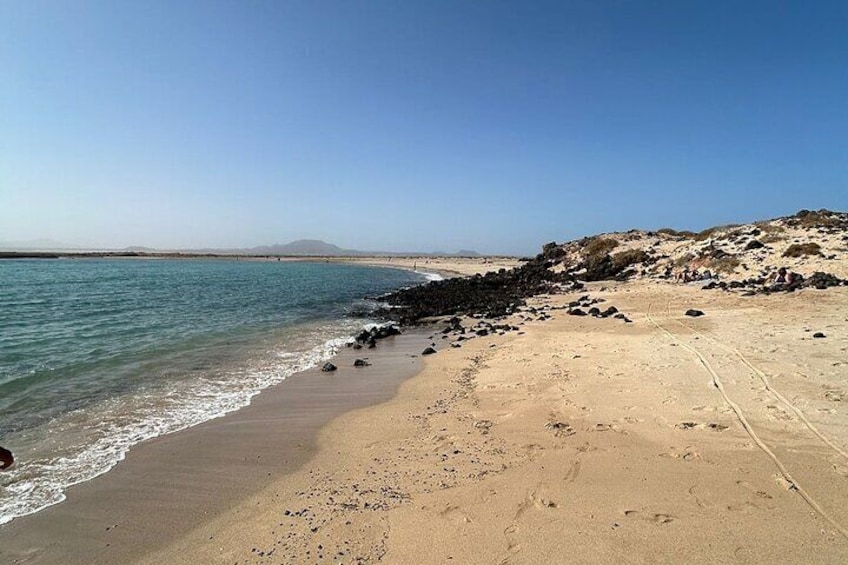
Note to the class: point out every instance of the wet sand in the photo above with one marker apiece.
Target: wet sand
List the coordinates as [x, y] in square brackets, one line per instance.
[168, 486]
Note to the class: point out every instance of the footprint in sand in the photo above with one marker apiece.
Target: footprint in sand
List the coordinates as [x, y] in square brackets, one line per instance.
[776, 413]
[560, 429]
[573, 472]
[658, 518]
[833, 395]
[686, 454]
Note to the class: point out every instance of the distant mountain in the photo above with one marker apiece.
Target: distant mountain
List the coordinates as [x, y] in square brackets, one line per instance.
[311, 247]
[299, 248]
[315, 247]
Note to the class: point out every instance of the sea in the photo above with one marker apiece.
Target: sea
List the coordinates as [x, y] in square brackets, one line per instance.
[97, 355]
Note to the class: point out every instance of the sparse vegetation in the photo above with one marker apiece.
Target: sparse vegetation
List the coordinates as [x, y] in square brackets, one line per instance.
[684, 260]
[726, 264]
[710, 232]
[771, 233]
[676, 233]
[802, 249]
[626, 258]
[818, 219]
[599, 246]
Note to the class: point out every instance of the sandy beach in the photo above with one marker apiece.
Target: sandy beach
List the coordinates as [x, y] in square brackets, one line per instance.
[444, 266]
[582, 441]
[670, 439]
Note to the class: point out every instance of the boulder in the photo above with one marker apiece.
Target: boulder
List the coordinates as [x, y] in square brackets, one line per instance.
[328, 367]
[694, 313]
[428, 351]
[361, 363]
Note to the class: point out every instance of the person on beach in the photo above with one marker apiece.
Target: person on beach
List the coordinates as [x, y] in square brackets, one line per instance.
[6, 458]
[783, 277]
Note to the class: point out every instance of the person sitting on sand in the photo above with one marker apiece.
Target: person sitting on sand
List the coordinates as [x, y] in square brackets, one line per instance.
[6, 458]
[782, 277]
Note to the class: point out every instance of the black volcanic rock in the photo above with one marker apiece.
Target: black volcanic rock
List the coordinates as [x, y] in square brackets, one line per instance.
[822, 281]
[490, 296]
[428, 351]
[328, 367]
[694, 313]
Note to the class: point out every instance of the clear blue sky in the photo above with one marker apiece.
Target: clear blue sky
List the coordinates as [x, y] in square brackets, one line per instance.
[494, 126]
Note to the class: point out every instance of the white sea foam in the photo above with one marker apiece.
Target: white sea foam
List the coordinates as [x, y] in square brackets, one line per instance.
[95, 439]
[431, 276]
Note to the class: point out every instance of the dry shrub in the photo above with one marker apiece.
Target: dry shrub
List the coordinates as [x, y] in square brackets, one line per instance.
[802, 249]
[626, 258]
[599, 246]
[771, 233]
[726, 264]
[709, 232]
[676, 233]
[818, 219]
[684, 260]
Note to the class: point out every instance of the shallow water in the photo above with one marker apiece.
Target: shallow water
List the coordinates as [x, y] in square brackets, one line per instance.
[98, 355]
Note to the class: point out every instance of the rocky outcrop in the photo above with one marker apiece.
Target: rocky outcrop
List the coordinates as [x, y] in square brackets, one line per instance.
[484, 296]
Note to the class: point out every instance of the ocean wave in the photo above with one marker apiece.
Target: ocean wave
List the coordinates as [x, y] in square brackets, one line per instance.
[106, 432]
[431, 276]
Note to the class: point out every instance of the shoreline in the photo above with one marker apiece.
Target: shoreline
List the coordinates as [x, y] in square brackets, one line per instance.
[576, 440]
[168, 484]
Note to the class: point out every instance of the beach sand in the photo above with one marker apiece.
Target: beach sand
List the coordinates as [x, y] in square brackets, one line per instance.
[582, 441]
[671, 439]
[445, 266]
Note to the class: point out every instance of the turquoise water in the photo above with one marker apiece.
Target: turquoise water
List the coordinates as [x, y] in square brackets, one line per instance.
[98, 355]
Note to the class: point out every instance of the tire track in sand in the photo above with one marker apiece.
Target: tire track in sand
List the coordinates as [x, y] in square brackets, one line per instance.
[766, 383]
[716, 381]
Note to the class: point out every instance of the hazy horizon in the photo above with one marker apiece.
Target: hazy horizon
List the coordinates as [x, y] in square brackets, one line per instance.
[493, 127]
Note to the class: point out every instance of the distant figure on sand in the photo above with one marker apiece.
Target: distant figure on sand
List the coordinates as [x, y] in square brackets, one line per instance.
[6, 458]
[783, 277]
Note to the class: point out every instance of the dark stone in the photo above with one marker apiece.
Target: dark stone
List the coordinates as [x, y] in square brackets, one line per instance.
[328, 367]
[822, 281]
[694, 313]
[357, 346]
[361, 363]
[819, 335]
[577, 312]
[609, 312]
[594, 311]
[483, 332]
[754, 244]
[496, 294]
[428, 351]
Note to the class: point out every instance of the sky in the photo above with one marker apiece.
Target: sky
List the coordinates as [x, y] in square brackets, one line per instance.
[414, 126]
